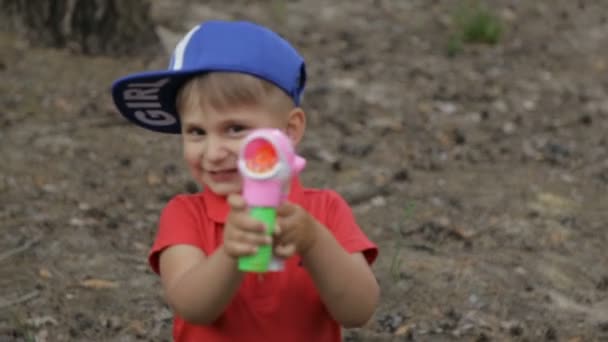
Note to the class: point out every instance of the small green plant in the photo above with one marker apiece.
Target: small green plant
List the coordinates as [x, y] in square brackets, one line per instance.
[474, 23]
[396, 260]
[20, 327]
[454, 46]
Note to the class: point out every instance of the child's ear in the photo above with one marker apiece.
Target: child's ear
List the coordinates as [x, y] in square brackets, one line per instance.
[296, 125]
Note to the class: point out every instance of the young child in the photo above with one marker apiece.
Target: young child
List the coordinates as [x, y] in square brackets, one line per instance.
[225, 79]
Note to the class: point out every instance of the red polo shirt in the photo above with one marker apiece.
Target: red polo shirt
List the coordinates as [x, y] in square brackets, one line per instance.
[277, 306]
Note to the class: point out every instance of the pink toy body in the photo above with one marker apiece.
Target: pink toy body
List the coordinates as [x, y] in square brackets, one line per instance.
[263, 193]
[269, 189]
[267, 162]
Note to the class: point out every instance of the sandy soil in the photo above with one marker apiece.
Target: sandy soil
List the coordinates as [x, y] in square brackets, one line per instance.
[482, 176]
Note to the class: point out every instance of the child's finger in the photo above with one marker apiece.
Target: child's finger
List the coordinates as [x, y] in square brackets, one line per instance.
[244, 222]
[237, 249]
[286, 209]
[236, 202]
[254, 238]
[284, 251]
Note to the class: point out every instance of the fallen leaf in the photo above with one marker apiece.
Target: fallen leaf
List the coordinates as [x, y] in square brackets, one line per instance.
[403, 330]
[99, 284]
[45, 273]
[153, 179]
[137, 327]
[63, 105]
[599, 65]
[424, 107]
[462, 233]
[40, 181]
[555, 201]
[140, 246]
[557, 238]
[444, 139]
[38, 322]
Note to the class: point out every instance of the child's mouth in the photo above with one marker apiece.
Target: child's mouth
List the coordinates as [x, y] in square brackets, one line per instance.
[223, 175]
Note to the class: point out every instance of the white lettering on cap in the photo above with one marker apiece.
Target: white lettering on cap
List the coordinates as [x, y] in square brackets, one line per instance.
[155, 117]
[142, 97]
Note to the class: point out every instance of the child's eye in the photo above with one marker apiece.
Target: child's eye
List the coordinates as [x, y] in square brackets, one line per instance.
[236, 129]
[195, 131]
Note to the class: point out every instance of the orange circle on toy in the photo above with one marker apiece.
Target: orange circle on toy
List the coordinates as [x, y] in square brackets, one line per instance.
[263, 159]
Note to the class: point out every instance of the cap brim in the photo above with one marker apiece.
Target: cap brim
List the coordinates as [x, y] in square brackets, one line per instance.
[148, 99]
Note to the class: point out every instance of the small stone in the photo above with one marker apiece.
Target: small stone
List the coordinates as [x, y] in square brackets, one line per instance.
[446, 107]
[500, 106]
[520, 270]
[378, 201]
[84, 206]
[443, 221]
[508, 128]
[529, 105]
[77, 222]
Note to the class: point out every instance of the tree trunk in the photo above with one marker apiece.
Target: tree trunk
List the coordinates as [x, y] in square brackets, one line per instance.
[111, 27]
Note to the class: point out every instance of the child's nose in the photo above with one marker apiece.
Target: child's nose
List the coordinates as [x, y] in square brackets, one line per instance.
[215, 149]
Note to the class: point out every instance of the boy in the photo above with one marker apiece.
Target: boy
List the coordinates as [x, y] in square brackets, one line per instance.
[224, 80]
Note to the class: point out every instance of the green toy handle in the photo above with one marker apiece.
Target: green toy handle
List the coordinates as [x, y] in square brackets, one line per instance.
[259, 261]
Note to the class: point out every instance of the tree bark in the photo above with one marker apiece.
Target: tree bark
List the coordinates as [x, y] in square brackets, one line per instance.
[110, 27]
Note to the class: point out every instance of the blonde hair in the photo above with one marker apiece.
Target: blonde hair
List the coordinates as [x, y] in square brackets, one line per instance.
[229, 90]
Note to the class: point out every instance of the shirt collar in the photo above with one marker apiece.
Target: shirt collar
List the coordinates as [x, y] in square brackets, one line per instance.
[217, 208]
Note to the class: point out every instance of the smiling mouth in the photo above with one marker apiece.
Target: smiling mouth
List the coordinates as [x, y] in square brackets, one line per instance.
[220, 172]
[223, 175]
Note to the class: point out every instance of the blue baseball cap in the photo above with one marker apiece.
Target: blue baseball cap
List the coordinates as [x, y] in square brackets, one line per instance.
[148, 98]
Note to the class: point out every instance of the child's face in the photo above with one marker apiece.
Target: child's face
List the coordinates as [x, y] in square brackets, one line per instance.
[211, 143]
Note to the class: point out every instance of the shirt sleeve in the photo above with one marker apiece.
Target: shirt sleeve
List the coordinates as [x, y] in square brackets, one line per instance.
[178, 224]
[343, 225]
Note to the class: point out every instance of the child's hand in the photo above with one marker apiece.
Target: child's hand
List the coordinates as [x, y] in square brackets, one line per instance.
[282, 250]
[296, 227]
[242, 233]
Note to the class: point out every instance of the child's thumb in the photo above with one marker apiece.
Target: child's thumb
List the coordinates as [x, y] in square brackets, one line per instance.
[285, 209]
[236, 202]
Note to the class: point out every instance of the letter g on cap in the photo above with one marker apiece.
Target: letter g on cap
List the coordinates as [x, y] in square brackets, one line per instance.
[155, 117]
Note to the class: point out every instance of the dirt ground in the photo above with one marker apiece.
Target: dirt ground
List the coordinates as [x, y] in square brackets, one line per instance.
[482, 176]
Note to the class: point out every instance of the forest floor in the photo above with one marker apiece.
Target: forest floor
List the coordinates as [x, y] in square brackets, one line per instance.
[481, 171]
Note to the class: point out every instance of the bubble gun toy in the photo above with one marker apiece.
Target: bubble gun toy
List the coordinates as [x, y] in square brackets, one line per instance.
[267, 162]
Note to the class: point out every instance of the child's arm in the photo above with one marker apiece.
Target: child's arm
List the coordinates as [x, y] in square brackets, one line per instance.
[199, 287]
[345, 281]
